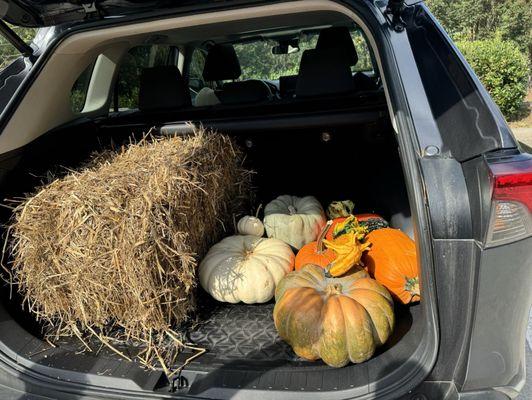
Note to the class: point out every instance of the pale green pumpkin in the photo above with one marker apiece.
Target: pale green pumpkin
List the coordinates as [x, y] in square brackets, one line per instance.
[338, 320]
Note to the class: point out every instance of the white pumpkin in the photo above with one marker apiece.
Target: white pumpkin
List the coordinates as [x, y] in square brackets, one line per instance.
[245, 268]
[250, 226]
[294, 220]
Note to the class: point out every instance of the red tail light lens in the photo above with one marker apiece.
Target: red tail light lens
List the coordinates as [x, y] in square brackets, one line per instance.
[511, 210]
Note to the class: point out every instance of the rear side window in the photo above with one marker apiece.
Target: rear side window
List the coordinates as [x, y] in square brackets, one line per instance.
[364, 56]
[8, 52]
[78, 94]
[126, 94]
[195, 72]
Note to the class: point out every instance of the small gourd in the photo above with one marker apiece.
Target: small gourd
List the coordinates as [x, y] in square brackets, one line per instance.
[249, 225]
[338, 209]
[349, 250]
[362, 222]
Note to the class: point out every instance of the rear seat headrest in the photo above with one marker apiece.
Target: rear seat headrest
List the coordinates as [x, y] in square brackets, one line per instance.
[162, 87]
[339, 39]
[221, 63]
[323, 72]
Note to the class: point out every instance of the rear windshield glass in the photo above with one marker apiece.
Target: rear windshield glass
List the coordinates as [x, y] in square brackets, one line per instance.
[257, 60]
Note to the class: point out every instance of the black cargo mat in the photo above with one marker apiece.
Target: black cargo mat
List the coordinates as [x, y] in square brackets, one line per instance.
[235, 336]
[245, 335]
[242, 331]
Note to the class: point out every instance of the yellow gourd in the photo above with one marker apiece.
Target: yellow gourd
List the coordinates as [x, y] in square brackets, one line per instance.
[349, 250]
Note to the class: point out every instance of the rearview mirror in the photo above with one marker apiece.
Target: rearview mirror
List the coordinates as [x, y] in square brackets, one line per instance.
[285, 48]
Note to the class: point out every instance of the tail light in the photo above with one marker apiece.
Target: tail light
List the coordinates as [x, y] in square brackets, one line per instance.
[511, 206]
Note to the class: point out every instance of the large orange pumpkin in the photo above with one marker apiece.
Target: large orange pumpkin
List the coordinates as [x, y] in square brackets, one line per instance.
[316, 252]
[335, 319]
[392, 261]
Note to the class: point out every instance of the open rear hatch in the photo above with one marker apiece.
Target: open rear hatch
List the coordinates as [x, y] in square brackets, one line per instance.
[37, 13]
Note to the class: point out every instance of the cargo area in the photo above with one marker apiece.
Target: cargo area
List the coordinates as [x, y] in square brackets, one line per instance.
[360, 160]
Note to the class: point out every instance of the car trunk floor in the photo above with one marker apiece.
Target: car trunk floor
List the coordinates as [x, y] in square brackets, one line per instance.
[239, 336]
[241, 339]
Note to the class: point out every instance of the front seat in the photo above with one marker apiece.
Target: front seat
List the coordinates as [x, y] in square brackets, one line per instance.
[222, 64]
[162, 88]
[338, 39]
[323, 72]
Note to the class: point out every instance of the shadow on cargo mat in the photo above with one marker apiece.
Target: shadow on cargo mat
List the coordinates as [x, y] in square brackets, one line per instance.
[245, 352]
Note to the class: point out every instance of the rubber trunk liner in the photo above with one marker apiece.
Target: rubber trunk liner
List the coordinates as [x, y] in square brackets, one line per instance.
[242, 331]
[244, 335]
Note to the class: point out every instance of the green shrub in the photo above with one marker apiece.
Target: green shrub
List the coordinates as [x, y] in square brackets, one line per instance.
[503, 70]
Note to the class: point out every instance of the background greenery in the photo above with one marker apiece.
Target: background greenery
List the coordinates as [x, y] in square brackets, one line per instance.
[7, 52]
[495, 37]
[503, 70]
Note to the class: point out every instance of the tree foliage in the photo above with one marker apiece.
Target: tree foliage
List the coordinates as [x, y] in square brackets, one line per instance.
[7, 51]
[495, 37]
[502, 68]
[484, 19]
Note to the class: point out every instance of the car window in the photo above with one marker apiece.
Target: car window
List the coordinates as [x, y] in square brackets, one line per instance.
[364, 57]
[126, 94]
[195, 72]
[8, 52]
[258, 62]
[78, 94]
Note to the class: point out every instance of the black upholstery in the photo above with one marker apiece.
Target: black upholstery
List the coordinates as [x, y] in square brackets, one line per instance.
[162, 87]
[221, 64]
[287, 86]
[338, 39]
[363, 82]
[323, 72]
[250, 91]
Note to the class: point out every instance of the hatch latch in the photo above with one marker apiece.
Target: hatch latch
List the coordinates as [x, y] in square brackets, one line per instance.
[89, 7]
[394, 11]
[91, 10]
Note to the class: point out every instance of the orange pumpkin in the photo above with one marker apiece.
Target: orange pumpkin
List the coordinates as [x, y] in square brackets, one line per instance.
[315, 252]
[392, 261]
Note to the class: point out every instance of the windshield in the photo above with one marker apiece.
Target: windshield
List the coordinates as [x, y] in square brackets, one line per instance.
[258, 62]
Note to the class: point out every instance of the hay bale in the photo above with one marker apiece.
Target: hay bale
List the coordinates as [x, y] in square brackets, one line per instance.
[113, 249]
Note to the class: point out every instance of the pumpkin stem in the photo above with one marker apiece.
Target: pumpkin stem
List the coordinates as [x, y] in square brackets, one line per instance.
[320, 248]
[292, 210]
[258, 210]
[333, 288]
[412, 286]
